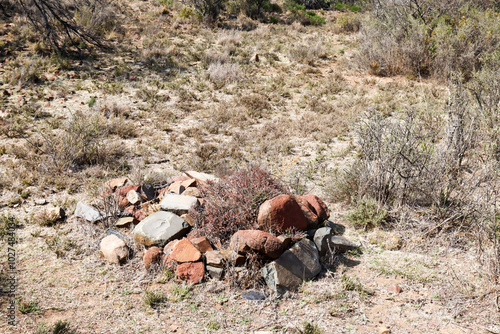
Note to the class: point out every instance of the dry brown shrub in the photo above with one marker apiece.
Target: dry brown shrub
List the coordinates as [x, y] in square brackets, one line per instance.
[232, 203]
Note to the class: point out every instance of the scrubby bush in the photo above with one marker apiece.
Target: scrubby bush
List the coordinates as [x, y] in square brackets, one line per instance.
[423, 37]
[349, 22]
[233, 202]
[366, 214]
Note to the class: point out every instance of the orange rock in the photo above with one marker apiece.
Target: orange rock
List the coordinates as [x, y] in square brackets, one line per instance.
[191, 272]
[282, 211]
[202, 244]
[185, 251]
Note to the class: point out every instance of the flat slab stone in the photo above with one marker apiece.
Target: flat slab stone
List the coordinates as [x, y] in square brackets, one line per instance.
[159, 228]
[87, 212]
[178, 204]
[339, 244]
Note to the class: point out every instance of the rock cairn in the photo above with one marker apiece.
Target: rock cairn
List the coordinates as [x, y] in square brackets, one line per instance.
[161, 222]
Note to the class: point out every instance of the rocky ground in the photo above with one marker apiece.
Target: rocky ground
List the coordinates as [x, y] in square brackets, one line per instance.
[286, 99]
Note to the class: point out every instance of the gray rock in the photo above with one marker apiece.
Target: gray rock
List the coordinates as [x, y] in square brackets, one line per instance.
[279, 279]
[114, 249]
[87, 212]
[337, 229]
[178, 204]
[159, 228]
[300, 262]
[148, 191]
[215, 272]
[253, 295]
[338, 244]
[320, 239]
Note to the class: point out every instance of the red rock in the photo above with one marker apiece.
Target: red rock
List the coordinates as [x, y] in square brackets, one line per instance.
[245, 240]
[151, 256]
[123, 191]
[140, 215]
[308, 211]
[282, 211]
[176, 188]
[202, 244]
[319, 206]
[106, 192]
[130, 209]
[394, 288]
[191, 272]
[184, 251]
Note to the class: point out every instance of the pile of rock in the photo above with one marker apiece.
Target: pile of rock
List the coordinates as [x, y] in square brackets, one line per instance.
[163, 223]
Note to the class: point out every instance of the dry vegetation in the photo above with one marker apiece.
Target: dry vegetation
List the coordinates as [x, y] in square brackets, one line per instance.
[387, 109]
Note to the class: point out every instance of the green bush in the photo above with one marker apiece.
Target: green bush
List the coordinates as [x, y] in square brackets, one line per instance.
[349, 22]
[315, 19]
[366, 214]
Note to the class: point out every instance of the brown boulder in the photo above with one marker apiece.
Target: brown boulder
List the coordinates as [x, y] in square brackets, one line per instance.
[151, 255]
[191, 272]
[309, 212]
[282, 211]
[265, 243]
[319, 206]
[185, 251]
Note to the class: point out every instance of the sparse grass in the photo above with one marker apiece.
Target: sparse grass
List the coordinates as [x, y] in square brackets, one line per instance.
[61, 327]
[308, 328]
[153, 299]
